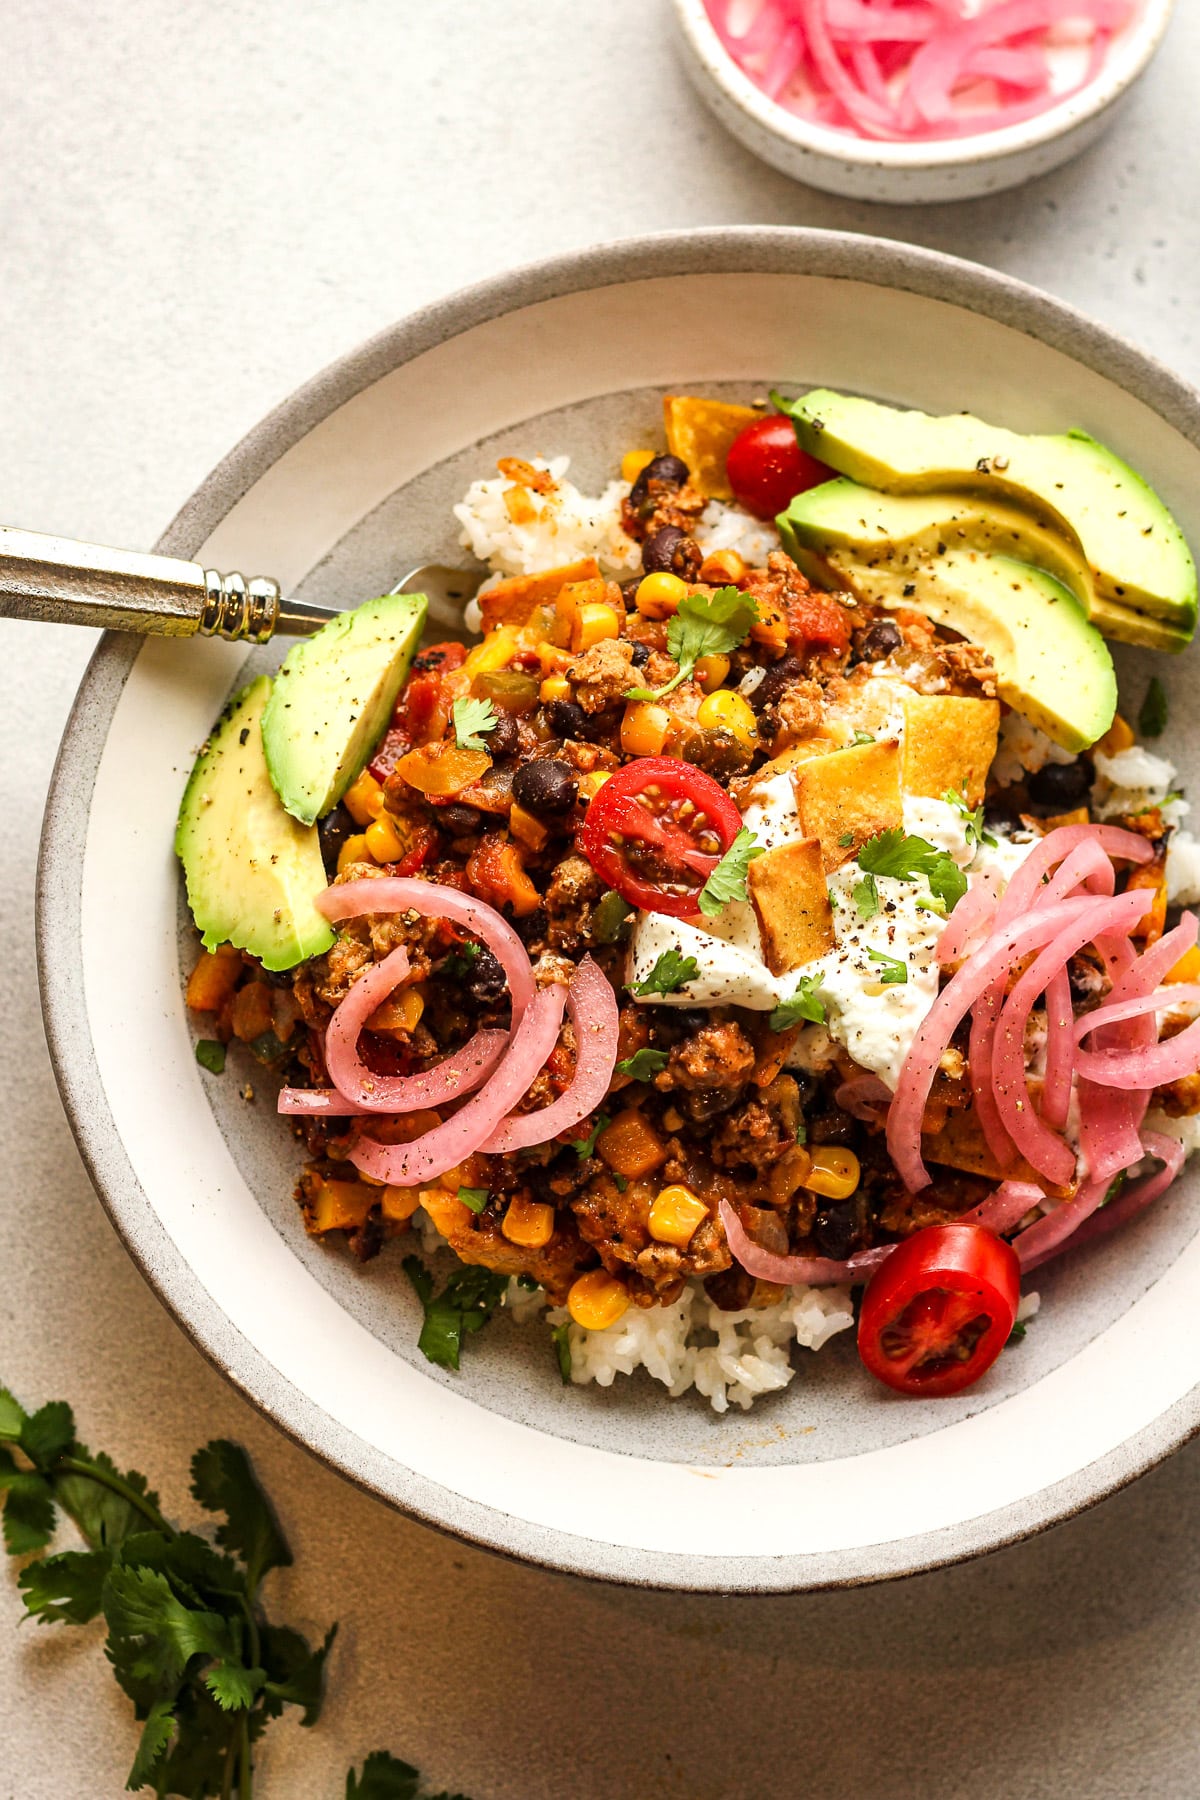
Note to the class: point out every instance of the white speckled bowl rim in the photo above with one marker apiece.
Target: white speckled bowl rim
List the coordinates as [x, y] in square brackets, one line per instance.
[833, 256]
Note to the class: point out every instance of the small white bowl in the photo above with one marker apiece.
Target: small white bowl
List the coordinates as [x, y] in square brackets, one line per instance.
[899, 173]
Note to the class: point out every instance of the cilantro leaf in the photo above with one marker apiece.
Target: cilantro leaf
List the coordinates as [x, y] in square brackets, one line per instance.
[464, 1306]
[152, 1745]
[295, 1672]
[232, 1685]
[644, 1064]
[28, 1508]
[728, 880]
[893, 972]
[210, 1054]
[704, 625]
[802, 1005]
[1016, 1335]
[671, 971]
[48, 1434]
[562, 1350]
[471, 718]
[907, 858]
[67, 1586]
[1152, 719]
[474, 1198]
[384, 1777]
[972, 818]
[104, 1514]
[12, 1417]
[865, 894]
[587, 1146]
[223, 1482]
[863, 737]
[151, 1631]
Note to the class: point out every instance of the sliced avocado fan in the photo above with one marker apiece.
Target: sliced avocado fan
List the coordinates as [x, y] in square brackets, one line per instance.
[333, 697]
[1134, 552]
[252, 872]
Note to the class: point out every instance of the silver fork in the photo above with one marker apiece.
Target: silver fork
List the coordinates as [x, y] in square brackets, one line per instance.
[68, 583]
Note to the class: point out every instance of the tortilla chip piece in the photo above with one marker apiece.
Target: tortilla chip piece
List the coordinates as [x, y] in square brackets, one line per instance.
[787, 886]
[514, 602]
[700, 433]
[959, 1143]
[849, 796]
[949, 745]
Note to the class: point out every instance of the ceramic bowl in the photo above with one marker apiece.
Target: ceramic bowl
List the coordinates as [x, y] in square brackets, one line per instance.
[903, 173]
[349, 482]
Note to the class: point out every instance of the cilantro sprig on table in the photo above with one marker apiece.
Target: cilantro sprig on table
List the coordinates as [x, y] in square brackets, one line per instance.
[471, 719]
[907, 858]
[728, 880]
[705, 625]
[188, 1638]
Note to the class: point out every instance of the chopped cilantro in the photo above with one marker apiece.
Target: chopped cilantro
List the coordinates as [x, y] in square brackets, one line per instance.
[846, 839]
[587, 1146]
[471, 717]
[210, 1054]
[705, 625]
[728, 880]
[466, 1303]
[866, 896]
[562, 1350]
[862, 737]
[1152, 719]
[671, 971]
[643, 1065]
[1016, 1335]
[802, 1133]
[972, 818]
[459, 961]
[475, 1198]
[893, 972]
[619, 1182]
[803, 1004]
[907, 858]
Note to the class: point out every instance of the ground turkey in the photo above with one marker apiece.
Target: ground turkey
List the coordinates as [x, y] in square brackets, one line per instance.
[571, 897]
[617, 1224]
[759, 1131]
[718, 1055]
[602, 675]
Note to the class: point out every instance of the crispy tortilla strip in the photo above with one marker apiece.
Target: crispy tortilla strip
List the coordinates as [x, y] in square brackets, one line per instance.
[959, 1143]
[515, 601]
[787, 886]
[949, 744]
[700, 432]
[849, 796]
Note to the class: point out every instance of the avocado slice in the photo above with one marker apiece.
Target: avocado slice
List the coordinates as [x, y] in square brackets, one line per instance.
[333, 697]
[907, 529]
[1052, 666]
[252, 872]
[1135, 552]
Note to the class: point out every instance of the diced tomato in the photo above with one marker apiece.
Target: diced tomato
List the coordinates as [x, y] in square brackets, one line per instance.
[418, 852]
[655, 832]
[939, 1311]
[422, 711]
[814, 623]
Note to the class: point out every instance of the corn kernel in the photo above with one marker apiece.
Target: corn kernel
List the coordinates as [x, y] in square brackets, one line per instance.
[1118, 737]
[526, 828]
[658, 595]
[354, 850]
[633, 462]
[834, 1172]
[722, 568]
[675, 1215]
[596, 622]
[590, 785]
[644, 728]
[399, 1203]
[384, 841]
[1187, 968]
[728, 711]
[555, 687]
[496, 652]
[711, 671]
[529, 1223]
[363, 799]
[597, 1299]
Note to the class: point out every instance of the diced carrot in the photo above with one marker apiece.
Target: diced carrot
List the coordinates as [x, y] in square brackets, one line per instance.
[515, 601]
[252, 1012]
[335, 1205]
[212, 981]
[630, 1146]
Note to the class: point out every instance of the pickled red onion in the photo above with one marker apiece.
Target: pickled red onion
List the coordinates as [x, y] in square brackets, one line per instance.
[435, 1151]
[1047, 1233]
[324, 1103]
[1004, 1209]
[1161, 1000]
[455, 1075]
[592, 1007]
[788, 1271]
[1118, 1212]
[973, 914]
[400, 893]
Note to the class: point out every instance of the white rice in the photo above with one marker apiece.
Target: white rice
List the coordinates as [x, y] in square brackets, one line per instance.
[724, 526]
[1023, 749]
[727, 1357]
[567, 525]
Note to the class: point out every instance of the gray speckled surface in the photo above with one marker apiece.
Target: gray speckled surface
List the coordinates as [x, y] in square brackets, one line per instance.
[199, 210]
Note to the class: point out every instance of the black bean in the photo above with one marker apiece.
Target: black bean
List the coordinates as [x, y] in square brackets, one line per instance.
[640, 655]
[770, 688]
[545, 786]
[731, 1290]
[332, 833]
[532, 928]
[1061, 785]
[833, 1128]
[690, 1019]
[835, 1230]
[505, 738]
[661, 548]
[670, 470]
[486, 982]
[458, 821]
[878, 640]
[567, 719]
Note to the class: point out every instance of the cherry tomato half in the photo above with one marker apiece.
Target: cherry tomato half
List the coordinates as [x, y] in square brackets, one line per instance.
[656, 831]
[939, 1311]
[767, 468]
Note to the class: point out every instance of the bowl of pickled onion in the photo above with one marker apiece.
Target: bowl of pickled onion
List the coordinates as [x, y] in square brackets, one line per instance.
[918, 100]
